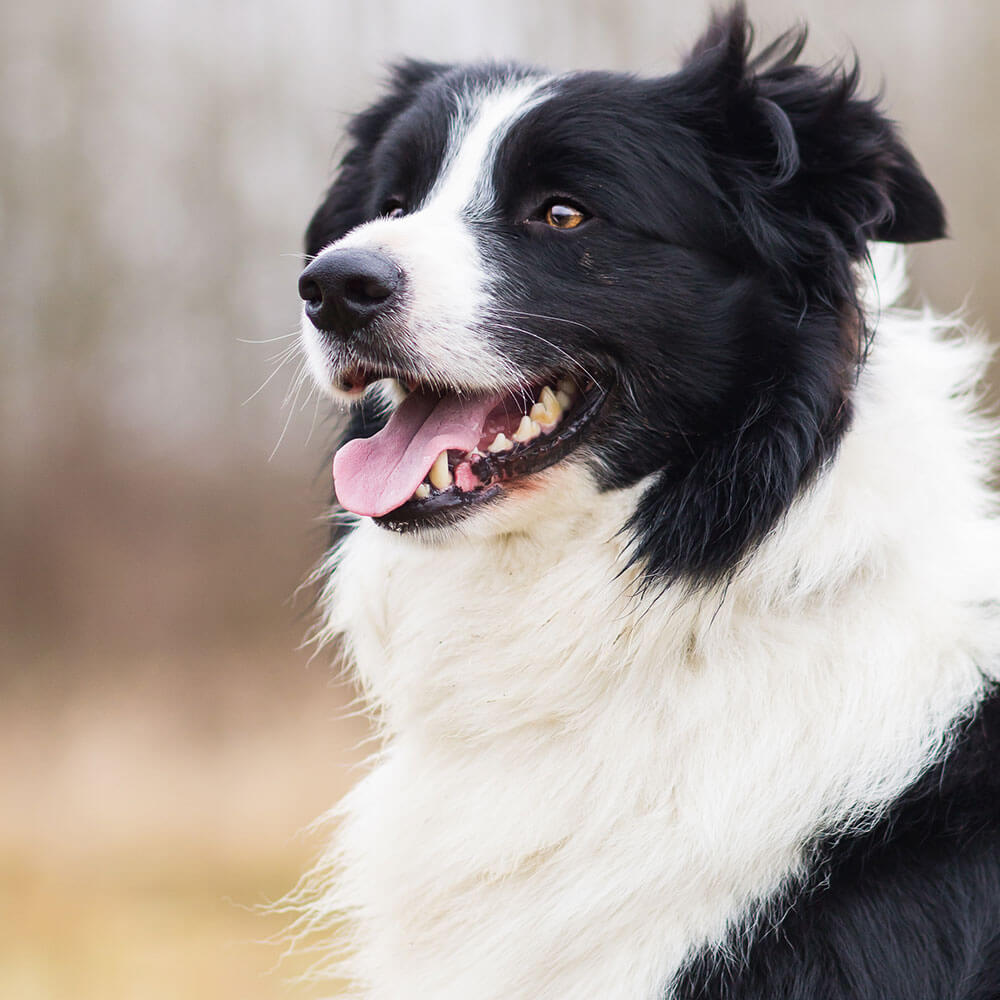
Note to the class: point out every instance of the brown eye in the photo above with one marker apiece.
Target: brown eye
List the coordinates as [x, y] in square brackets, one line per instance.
[560, 216]
[392, 208]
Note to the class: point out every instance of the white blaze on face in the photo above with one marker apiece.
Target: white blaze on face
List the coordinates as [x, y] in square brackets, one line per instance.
[446, 275]
[464, 185]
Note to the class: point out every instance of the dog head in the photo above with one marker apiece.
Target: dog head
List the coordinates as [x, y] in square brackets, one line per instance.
[634, 281]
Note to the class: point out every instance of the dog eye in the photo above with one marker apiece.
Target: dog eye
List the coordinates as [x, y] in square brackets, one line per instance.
[392, 208]
[560, 215]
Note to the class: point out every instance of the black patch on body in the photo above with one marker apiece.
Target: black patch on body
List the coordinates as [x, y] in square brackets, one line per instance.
[712, 290]
[907, 911]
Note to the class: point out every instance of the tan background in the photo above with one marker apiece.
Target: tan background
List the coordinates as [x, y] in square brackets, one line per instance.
[163, 741]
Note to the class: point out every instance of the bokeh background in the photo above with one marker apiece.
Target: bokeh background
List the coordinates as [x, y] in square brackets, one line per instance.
[164, 739]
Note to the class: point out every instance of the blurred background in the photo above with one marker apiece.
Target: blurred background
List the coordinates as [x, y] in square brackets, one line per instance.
[164, 739]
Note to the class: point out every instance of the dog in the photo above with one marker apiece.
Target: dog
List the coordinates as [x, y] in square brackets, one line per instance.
[672, 571]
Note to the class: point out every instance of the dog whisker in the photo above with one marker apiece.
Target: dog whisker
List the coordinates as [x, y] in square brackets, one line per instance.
[281, 359]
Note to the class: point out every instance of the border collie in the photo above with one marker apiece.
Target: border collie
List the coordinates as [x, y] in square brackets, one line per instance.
[672, 574]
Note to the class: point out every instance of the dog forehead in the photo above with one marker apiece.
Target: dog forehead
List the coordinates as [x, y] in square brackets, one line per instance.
[482, 110]
[482, 115]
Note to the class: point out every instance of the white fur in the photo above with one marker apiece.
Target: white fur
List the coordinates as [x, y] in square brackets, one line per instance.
[447, 277]
[578, 787]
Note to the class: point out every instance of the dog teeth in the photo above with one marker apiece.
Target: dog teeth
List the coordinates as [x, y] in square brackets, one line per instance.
[543, 418]
[500, 443]
[527, 430]
[547, 411]
[440, 475]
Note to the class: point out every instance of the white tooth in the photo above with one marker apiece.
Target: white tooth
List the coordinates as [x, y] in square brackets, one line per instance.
[500, 443]
[565, 400]
[568, 386]
[422, 492]
[440, 475]
[527, 430]
[547, 411]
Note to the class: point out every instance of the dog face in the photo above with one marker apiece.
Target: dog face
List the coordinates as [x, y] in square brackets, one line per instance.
[644, 281]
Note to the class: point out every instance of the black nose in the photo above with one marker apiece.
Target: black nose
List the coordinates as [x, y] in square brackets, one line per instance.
[345, 289]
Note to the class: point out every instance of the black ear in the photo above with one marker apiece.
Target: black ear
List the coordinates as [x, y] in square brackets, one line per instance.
[918, 214]
[797, 142]
[343, 204]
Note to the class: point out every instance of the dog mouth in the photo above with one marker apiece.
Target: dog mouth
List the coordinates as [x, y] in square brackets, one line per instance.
[443, 454]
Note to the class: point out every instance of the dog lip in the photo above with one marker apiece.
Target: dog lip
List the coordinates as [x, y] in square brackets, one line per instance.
[356, 376]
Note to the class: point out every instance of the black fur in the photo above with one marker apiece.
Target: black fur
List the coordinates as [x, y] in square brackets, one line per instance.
[907, 911]
[712, 290]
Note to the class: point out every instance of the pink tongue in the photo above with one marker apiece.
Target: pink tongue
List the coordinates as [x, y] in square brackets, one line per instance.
[374, 475]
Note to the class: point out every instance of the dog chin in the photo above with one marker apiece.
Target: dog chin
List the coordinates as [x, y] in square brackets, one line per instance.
[554, 501]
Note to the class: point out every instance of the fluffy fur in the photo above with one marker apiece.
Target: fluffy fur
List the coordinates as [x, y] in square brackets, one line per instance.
[706, 709]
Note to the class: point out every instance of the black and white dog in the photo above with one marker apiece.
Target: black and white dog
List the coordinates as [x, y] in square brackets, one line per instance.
[674, 577]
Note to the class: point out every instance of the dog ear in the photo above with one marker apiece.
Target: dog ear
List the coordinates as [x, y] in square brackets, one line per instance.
[343, 204]
[797, 141]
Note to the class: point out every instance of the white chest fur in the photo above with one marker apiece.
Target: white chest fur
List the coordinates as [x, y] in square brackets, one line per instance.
[577, 787]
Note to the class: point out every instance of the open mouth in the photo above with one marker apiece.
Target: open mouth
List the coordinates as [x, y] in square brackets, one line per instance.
[441, 455]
